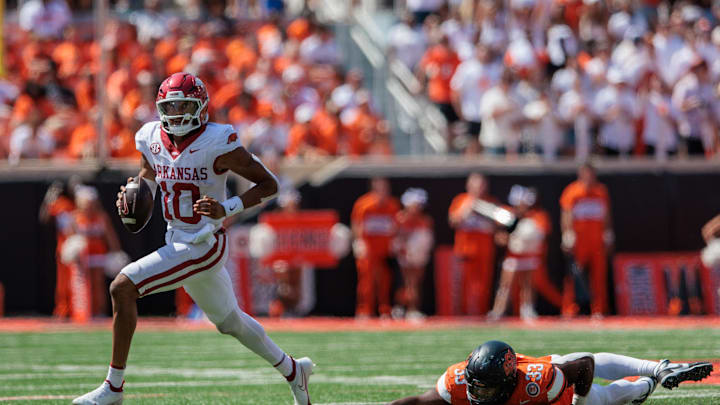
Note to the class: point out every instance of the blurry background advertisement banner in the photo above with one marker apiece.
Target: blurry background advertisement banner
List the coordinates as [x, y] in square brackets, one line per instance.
[659, 284]
[302, 238]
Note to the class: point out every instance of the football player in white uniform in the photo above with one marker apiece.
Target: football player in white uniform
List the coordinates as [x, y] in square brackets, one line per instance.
[188, 158]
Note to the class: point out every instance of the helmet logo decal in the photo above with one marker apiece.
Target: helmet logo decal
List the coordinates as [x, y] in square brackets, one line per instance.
[510, 363]
[532, 389]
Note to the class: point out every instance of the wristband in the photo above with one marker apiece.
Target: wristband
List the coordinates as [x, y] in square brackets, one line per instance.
[232, 206]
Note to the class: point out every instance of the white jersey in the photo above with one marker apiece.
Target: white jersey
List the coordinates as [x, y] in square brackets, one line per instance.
[187, 172]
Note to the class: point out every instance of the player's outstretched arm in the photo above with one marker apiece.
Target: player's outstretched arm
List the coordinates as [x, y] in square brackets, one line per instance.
[429, 398]
[579, 371]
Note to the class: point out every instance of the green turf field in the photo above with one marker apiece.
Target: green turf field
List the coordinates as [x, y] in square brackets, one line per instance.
[352, 367]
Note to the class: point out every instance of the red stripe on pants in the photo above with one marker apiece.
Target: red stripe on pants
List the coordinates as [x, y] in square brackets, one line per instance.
[180, 266]
[183, 277]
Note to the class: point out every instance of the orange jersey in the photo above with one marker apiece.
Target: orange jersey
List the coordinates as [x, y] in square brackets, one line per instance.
[93, 228]
[439, 64]
[474, 235]
[376, 219]
[539, 382]
[589, 208]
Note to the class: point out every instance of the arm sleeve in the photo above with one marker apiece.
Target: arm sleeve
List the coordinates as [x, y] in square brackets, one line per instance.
[442, 388]
[557, 386]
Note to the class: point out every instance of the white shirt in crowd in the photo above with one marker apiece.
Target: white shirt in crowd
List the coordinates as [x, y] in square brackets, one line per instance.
[315, 49]
[659, 128]
[471, 80]
[150, 25]
[672, 57]
[461, 37]
[26, 143]
[694, 122]
[616, 110]
[494, 129]
[44, 20]
[408, 43]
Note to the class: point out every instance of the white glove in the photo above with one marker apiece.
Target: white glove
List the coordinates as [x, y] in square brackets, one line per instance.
[568, 240]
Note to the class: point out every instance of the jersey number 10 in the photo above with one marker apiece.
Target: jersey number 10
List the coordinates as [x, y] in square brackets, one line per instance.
[177, 192]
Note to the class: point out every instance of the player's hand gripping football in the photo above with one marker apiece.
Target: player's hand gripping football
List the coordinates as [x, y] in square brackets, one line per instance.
[210, 207]
[119, 201]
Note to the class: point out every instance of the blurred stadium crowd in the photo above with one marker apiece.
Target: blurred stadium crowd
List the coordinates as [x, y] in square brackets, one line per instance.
[277, 80]
[619, 77]
[552, 77]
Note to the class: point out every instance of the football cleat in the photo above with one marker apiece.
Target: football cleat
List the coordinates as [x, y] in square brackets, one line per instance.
[652, 384]
[105, 394]
[670, 375]
[302, 369]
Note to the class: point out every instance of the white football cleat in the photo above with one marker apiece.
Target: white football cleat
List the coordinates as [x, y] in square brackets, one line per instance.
[670, 375]
[652, 384]
[105, 394]
[302, 369]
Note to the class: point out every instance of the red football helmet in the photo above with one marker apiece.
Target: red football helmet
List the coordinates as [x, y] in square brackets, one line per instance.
[182, 103]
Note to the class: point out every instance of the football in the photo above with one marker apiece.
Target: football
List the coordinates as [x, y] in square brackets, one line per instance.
[137, 205]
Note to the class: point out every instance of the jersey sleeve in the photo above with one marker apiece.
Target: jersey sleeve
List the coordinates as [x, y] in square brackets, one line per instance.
[567, 198]
[227, 140]
[556, 386]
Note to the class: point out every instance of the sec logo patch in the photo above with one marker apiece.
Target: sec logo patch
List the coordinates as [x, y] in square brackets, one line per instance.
[532, 389]
[155, 148]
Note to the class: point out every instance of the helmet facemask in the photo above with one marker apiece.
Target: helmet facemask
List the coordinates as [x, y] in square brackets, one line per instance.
[482, 394]
[180, 115]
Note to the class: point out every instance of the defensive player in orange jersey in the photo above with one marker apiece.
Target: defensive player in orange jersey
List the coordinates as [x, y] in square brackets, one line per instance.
[587, 236]
[526, 247]
[374, 226]
[413, 247]
[494, 375]
[474, 245]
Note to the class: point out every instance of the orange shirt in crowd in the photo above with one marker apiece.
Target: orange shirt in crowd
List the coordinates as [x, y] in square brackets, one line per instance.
[325, 127]
[122, 144]
[589, 207]
[299, 29]
[298, 137]
[376, 220]
[360, 128]
[25, 104]
[474, 235]
[439, 64]
[83, 140]
[226, 94]
[165, 48]
[240, 55]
